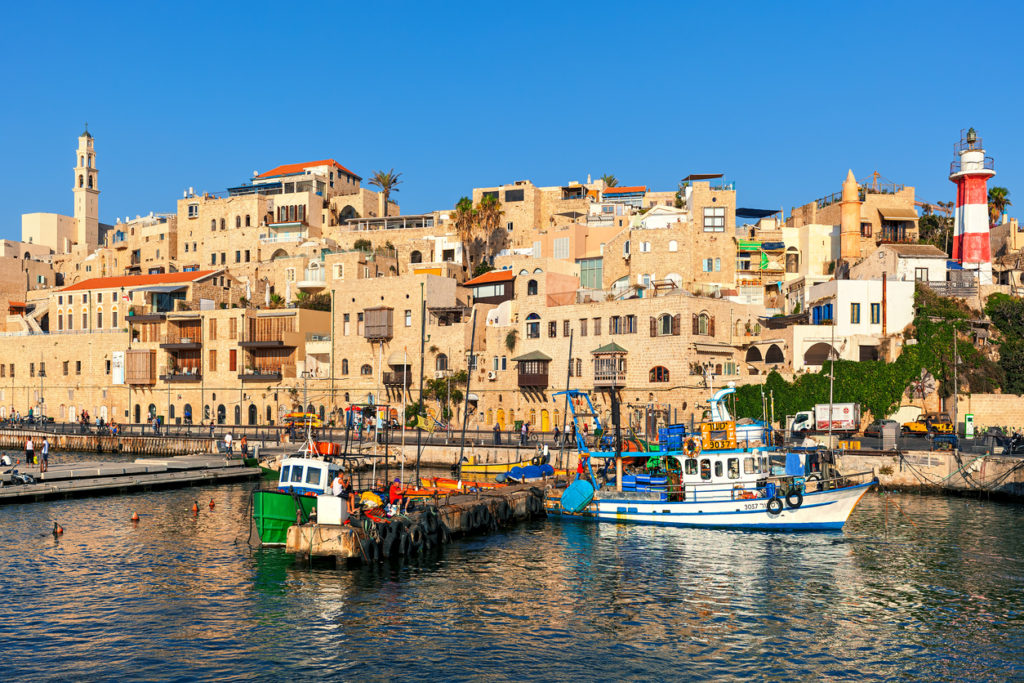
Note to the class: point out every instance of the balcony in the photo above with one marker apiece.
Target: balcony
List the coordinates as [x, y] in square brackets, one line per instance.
[973, 166]
[183, 375]
[378, 325]
[260, 375]
[533, 380]
[176, 342]
[313, 278]
[264, 344]
[609, 379]
[609, 366]
[398, 379]
[284, 236]
[532, 372]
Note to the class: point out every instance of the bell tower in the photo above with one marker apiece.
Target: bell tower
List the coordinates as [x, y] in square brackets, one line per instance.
[87, 192]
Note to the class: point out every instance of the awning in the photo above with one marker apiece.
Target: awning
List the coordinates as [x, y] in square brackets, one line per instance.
[898, 214]
[532, 355]
[472, 397]
[773, 246]
[749, 245]
[161, 289]
[399, 358]
[714, 348]
[755, 213]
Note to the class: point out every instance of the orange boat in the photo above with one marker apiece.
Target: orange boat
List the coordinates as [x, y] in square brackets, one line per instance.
[453, 484]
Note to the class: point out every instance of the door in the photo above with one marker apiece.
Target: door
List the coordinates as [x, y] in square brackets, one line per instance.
[545, 420]
[253, 415]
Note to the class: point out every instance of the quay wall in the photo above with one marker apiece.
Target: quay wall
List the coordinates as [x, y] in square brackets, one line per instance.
[941, 472]
[14, 440]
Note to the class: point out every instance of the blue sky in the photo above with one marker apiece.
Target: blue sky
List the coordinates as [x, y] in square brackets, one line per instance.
[782, 97]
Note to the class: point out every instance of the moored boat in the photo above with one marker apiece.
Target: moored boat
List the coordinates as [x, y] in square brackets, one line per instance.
[470, 465]
[301, 479]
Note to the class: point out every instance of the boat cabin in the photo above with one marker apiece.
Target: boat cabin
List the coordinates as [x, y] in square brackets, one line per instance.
[726, 474]
[307, 476]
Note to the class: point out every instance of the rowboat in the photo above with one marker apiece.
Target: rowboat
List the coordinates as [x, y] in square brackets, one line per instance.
[454, 484]
[471, 466]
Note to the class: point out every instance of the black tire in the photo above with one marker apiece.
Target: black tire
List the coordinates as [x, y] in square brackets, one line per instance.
[795, 498]
[415, 539]
[431, 517]
[813, 476]
[775, 506]
[535, 461]
[403, 543]
[388, 545]
[466, 521]
[367, 546]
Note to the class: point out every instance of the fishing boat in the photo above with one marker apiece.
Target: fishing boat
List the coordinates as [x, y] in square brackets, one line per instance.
[301, 479]
[704, 478]
[471, 465]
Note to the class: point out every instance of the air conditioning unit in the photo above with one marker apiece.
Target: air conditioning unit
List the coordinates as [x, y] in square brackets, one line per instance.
[440, 374]
[492, 375]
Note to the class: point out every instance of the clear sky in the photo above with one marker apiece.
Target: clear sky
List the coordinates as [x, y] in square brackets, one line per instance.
[782, 97]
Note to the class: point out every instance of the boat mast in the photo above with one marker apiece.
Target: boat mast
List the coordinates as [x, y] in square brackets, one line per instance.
[465, 405]
[565, 412]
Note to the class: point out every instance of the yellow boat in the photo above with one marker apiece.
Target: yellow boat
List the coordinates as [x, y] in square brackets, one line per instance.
[471, 466]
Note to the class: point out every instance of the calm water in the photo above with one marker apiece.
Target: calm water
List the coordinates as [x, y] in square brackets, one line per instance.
[936, 596]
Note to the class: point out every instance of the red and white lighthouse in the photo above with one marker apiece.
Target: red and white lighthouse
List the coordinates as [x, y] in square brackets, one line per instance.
[971, 171]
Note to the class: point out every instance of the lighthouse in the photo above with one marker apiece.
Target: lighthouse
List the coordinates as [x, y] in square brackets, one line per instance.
[971, 170]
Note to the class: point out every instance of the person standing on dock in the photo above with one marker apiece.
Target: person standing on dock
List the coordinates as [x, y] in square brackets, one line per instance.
[45, 464]
[30, 455]
[497, 434]
[227, 443]
[244, 446]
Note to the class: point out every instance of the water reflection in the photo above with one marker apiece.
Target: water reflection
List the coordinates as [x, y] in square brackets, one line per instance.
[914, 591]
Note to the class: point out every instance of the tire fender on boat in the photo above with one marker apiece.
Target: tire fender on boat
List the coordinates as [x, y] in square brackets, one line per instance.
[535, 461]
[775, 506]
[795, 498]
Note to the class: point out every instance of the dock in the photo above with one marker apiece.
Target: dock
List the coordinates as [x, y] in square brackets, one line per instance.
[92, 478]
[433, 524]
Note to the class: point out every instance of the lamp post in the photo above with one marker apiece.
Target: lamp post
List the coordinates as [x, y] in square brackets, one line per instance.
[42, 402]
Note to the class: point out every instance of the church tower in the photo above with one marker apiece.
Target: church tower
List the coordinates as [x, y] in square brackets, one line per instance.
[87, 193]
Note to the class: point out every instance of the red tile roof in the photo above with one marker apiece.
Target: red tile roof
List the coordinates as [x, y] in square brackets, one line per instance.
[139, 280]
[289, 169]
[623, 190]
[493, 276]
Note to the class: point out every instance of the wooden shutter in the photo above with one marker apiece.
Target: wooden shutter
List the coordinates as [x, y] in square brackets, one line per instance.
[654, 327]
[696, 324]
[677, 324]
[711, 327]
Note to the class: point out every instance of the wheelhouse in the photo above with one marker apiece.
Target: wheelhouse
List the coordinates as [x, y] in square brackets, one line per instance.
[307, 476]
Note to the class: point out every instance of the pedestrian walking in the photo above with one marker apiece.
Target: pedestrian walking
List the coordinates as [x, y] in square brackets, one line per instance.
[558, 433]
[244, 446]
[30, 452]
[522, 434]
[227, 442]
[45, 464]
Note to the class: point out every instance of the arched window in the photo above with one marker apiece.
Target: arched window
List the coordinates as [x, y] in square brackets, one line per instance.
[253, 414]
[537, 271]
[664, 325]
[441, 362]
[365, 370]
[647, 247]
[238, 221]
[247, 221]
[753, 355]
[673, 245]
[344, 366]
[531, 288]
[81, 180]
[524, 271]
[416, 257]
[718, 368]
[533, 326]
[702, 324]
[113, 317]
[99, 317]
[625, 249]
[238, 415]
[90, 181]
[659, 373]
[222, 223]
[213, 224]
[81, 161]
[270, 415]
[222, 414]
[792, 260]
[774, 355]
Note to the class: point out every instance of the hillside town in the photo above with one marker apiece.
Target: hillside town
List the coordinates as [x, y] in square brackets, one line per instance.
[305, 287]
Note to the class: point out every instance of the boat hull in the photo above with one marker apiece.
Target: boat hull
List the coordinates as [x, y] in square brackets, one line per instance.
[820, 510]
[492, 468]
[273, 512]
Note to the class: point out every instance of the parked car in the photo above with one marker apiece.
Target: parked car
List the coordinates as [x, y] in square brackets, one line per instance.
[929, 423]
[301, 420]
[875, 428]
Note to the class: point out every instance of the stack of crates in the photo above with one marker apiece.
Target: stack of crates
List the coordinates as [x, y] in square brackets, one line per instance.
[646, 483]
[671, 438]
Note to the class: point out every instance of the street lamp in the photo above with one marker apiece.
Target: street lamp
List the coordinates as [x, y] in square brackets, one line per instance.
[42, 374]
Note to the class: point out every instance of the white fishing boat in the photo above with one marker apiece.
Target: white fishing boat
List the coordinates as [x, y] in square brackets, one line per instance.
[702, 479]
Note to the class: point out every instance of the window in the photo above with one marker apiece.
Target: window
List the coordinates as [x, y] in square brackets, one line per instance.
[408, 318]
[718, 265]
[597, 327]
[213, 224]
[705, 469]
[921, 274]
[223, 257]
[346, 324]
[213, 329]
[232, 328]
[78, 368]
[85, 320]
[714, 219]
[583, 327]
[213, 259]
[339, 271]
[66, 364]
[31, 369]
[664, 325]
[223, 224]
[246, 255]
[673, 245]
[99, 319]
[591, 273]
[513, 195]
[854, 314]
[531, 288]
[553, 329]
[289, 274]
[365, 370]
[703, 324]
[707, 265]
[99, 297]
[247, 223]
[579, 367]
[238, 256]
[876, 314]
[344, 366]
[734, 468]
[441, 362]
[625, 249]
[629, 324]
[504, 362]
[60, 321]
[533, 326]
[233, 360]
[615, 325]
[213, 360]
[865, 230]
[560, 248]
[193, 210]
[659, 373]
[565, 328]
[113, 318]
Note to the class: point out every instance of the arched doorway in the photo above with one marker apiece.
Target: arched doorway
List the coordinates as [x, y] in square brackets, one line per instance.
[416, 257]
[322, 412]
[501, 418]
[222, 414]
[254, 414]
[73, 413]
[774, 355]
[170, 412]
[151, 411]
[187, 414]
[138, 414]
[753, 355]
[819, 353]
[238, 414]
[545, 420]
[270, 416]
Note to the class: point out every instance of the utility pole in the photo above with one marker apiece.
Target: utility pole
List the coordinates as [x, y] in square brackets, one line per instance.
[956, 387]
[831, 379]
[465, 406]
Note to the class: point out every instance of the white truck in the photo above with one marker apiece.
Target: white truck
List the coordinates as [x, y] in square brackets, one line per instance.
[845, 419]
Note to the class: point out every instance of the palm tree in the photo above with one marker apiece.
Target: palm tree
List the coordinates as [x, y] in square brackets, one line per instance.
[387, 181]
[998, 200]
[489, 216]
[609, 180]
[465, 221]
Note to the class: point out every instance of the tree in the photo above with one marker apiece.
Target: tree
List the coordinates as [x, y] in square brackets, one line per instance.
[465, 222]
[488, 214]
[388, 182]
[363, 245]
[276, 300]
[610, 180]
[511, 339]
[313, 302]
[998, 200]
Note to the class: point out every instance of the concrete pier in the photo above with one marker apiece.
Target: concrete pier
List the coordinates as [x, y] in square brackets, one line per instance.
[432, 525]
[987, 475]
[72, 480]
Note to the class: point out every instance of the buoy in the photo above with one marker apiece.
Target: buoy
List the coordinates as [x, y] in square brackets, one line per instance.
[135, 516]
[57, 529]
[195, 507]
[211, 503]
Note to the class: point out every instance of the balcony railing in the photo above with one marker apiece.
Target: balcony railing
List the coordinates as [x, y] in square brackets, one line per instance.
[533, 380]
[284, 237]
[610, 378]
[180, 342]
[397, 379]
[988, 164]
[183, 375]
[260, 375]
